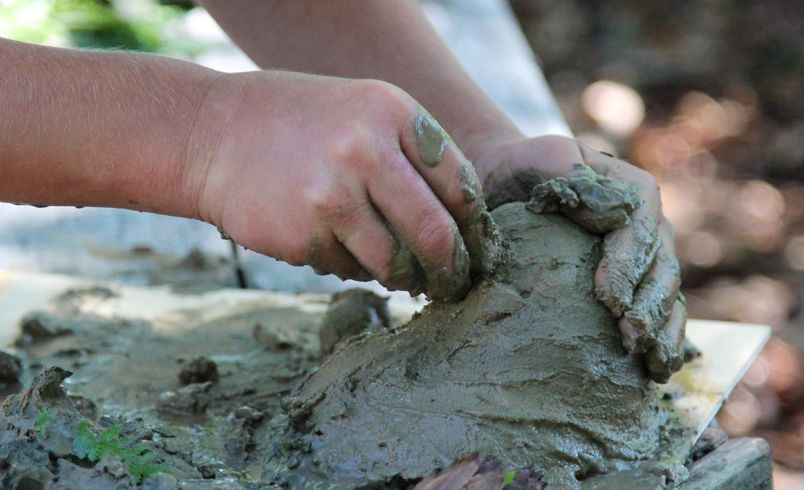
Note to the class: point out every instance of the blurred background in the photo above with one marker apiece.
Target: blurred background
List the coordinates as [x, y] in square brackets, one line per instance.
[706, 95]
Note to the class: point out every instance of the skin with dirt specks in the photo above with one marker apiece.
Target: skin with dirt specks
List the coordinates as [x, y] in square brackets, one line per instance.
[529, 368]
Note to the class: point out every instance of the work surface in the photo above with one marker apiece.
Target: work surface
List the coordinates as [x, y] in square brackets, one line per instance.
[696, 392]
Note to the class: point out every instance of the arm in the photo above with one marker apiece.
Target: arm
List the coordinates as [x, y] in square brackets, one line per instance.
[307, 169]
[385, 40]
[97, 129]
[392, 41]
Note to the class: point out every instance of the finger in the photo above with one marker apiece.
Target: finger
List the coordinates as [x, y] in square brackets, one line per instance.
[667, 355]
[690, 351]
[454, 181]
[442, 165]
[606, 164]
[423, 227]
[653, 302]
[628, 254]
[329, 256]
[365, 235]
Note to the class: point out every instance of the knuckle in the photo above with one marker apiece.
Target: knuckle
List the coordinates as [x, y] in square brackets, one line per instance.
[386, 99]
[346, 145]
[325, 199]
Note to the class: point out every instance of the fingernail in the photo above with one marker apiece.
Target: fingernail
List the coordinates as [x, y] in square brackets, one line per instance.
[631, 336]
[659, 368]
[431, 138]
[362, 275]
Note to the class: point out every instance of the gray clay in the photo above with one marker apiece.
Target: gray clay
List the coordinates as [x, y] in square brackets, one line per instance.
[529, 368]
[351, 312]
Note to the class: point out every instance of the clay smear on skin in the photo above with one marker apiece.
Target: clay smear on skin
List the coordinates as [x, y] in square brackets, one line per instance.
[431, 138]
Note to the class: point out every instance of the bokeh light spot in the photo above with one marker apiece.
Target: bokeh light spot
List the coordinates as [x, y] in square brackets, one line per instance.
[617, 108]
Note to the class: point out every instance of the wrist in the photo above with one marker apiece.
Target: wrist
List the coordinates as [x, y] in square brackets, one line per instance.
[152, 170]
[196, 177]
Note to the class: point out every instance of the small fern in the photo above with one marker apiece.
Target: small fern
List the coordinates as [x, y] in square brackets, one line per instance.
[137, 459]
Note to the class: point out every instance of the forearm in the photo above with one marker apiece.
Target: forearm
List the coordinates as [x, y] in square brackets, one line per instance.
[97, 129]
[386, 40]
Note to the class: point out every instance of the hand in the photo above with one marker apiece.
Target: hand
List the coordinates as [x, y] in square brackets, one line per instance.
[352, 177]
[638, 276]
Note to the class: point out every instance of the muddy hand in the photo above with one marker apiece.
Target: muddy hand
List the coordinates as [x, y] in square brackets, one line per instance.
[475, 227]
[638, 276]
[352, 177]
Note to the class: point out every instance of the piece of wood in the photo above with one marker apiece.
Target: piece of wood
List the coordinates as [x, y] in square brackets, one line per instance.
[739, 464]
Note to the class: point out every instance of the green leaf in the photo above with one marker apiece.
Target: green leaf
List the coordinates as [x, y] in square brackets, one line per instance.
[136, 457]
[41, 421]
[110, 442]
[508, 477]
[85, 442]
[140, 467]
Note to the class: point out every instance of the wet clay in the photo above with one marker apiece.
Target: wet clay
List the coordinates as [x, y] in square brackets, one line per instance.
[206, 435]
[44, 443]
[626, 259]
[431, 138]
[468, 181]
[529, 368]
[192, 399]
[596, 202]
[199, 370]
[351, 312]
[528, 371]
[477, 249]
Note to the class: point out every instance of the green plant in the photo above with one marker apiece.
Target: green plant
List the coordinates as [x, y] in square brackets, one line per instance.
[508, 477]
[137, 459]
[41, 421]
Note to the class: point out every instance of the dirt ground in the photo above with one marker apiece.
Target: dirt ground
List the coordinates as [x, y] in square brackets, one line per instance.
[707, 96]
[159, 409]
